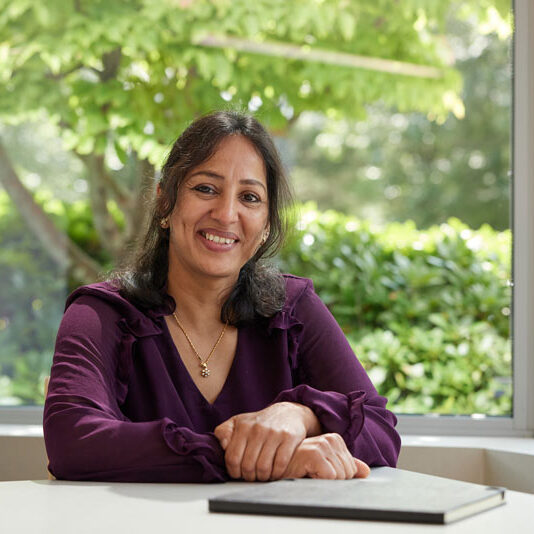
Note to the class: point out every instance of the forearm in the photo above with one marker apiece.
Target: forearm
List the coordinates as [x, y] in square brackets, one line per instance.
[83, 444]
[367, 428]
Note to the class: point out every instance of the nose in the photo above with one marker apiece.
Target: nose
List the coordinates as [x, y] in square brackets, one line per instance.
[225, 210]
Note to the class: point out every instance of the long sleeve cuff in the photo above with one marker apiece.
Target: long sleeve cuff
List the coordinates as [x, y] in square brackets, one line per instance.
[336, 412]
[202, 448]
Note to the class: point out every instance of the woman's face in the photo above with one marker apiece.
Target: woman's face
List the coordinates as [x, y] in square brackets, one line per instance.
[221, 212]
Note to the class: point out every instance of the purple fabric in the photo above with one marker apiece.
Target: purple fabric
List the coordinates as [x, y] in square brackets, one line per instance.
[121, 405]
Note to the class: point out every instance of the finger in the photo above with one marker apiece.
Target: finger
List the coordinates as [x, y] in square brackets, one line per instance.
[234, 454]
[350, 468]
[265, 462]
[336, 462]
[224, 432]
[283, 456]
[331, 447]
[343, 458]
[362, 469]
[250, 458]
[323, 468]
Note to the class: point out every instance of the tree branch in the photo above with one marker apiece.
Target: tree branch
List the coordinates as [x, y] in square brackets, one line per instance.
[145, 188]
[61, 249]
[111, 61]
[329, 57]
[110, 235]
[124, 198]
[61, 75]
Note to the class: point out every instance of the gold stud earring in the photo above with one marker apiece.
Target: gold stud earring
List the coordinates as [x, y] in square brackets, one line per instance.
[164, 222]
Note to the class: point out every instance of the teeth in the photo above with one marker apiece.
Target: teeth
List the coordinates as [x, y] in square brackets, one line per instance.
[218, 239]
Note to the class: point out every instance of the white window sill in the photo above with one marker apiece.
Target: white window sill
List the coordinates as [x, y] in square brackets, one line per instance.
[34, 431]
[504, 444]
[495, 461]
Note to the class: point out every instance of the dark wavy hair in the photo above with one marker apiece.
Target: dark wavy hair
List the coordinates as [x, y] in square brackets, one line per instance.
[260, 288]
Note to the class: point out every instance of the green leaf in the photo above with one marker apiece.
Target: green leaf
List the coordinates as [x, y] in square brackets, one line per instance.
[347, 25]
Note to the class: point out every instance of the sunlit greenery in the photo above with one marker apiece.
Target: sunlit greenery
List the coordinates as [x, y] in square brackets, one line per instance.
[93, 92]
[427, 311]
[395, 166]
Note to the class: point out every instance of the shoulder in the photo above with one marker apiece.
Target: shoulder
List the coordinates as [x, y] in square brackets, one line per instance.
[102, 296]
[299, 298]
[104, 300]
[105, 291]
[296, 288]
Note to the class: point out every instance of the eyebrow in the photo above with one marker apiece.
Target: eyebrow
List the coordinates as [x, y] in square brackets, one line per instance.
[247, 181]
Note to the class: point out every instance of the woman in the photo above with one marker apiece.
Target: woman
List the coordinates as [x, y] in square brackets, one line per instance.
[197, 363]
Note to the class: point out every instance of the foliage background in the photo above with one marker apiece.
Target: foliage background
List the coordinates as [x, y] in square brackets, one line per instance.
[93, 92]
[396, 166]
[427, 312]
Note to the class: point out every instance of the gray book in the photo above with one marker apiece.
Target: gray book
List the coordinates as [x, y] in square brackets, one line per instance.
[386, 495]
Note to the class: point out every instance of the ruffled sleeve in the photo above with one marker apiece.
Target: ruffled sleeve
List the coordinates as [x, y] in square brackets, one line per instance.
[339, 413]
[86, 434]
[332, 382]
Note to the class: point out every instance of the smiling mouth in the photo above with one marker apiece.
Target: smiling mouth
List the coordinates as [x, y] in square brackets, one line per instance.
[217, 239]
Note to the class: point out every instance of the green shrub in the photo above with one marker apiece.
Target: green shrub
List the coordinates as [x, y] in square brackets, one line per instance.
[426, 311]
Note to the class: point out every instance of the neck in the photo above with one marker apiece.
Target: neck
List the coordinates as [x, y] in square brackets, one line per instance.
[198, 301]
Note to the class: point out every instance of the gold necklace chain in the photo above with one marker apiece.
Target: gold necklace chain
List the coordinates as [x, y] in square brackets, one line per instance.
[204, 371]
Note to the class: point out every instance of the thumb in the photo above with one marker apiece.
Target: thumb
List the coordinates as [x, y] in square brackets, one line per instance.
[224, 432]
[363, 469]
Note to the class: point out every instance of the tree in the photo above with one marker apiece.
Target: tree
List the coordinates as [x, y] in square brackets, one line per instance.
[394, 167]
[120, 79]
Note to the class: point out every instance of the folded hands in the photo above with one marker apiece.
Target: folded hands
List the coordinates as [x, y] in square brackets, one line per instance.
[284, 440]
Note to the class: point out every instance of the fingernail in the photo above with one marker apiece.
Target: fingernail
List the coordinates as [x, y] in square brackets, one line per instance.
[224, 443]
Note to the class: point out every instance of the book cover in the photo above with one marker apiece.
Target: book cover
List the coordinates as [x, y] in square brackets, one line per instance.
[388, 494]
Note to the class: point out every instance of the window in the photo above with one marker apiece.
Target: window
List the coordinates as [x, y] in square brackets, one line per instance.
[45, 279]
[521, 422]
[420, 278]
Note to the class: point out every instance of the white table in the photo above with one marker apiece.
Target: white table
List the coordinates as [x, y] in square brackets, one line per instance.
[60, 507]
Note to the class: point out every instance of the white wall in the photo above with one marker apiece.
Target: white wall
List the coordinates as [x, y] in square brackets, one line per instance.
[507, 462]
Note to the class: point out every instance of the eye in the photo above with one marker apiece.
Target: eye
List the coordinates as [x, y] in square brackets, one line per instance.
[251, 197]
[204, 189]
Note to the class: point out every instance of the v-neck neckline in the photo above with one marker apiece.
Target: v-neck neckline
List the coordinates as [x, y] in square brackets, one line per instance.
[187, 374]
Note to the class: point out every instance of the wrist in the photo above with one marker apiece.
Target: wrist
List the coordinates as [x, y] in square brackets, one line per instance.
[310, 420]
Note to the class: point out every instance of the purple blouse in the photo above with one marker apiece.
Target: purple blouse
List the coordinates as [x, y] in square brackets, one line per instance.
[122, 407]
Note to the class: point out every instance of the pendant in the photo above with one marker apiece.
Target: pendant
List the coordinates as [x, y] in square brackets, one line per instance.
[204, 371]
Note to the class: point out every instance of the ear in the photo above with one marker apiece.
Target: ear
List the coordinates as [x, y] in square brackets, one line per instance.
[265, 234]
[160, 195]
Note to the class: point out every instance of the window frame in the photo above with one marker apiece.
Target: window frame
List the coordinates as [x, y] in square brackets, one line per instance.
[521, 424]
